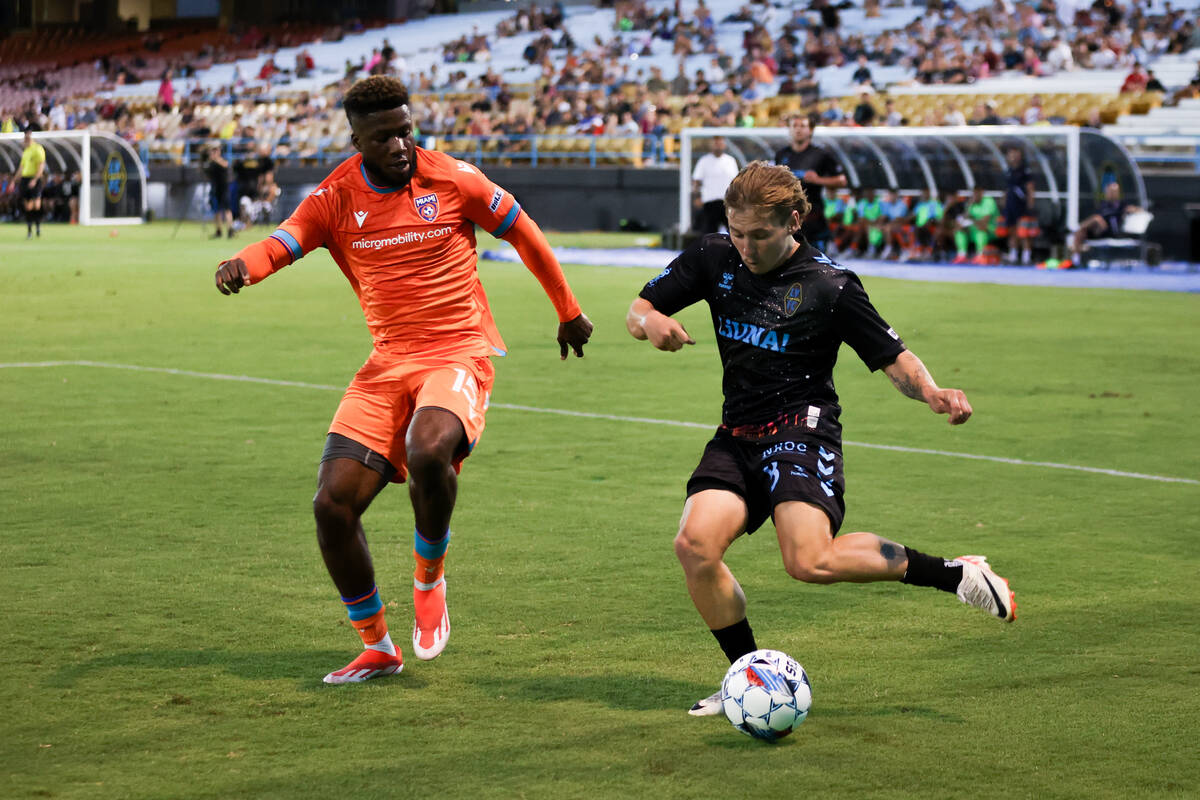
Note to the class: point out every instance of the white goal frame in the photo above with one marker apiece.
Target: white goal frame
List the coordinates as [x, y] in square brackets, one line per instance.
[80, 160]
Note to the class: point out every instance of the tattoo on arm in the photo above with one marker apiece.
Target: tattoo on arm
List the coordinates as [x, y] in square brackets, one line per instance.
[891, 552]
[908, 374]
[905, 384]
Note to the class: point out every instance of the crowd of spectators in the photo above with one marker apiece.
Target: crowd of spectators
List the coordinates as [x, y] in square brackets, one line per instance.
[597, 88]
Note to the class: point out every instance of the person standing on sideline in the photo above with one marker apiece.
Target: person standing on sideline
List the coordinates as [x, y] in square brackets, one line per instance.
[817, 169]
[216, 168]
[31, 174]
[1019, 205]
[710, 178]
[781, 309]
[400, 221]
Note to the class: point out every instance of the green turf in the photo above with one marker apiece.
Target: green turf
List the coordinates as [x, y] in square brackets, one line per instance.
[168, 619]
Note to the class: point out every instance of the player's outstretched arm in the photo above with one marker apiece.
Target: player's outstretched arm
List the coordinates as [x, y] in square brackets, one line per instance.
[252, 264]
[574, 328]
[912, 379]
[645, 322]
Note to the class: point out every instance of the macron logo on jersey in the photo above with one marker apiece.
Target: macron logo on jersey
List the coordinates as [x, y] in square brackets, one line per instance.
[359, 216]
[752, 334]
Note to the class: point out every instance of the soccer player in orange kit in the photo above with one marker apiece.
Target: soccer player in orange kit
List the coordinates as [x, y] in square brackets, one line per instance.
[400, 222]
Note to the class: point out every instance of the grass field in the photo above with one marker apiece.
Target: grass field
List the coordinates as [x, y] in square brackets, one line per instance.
[168, 619]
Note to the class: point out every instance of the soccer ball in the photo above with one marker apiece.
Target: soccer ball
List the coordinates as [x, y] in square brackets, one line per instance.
[766, 694]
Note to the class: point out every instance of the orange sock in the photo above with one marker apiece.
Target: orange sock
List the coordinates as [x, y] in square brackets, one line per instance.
[372, 629]
[428, 571]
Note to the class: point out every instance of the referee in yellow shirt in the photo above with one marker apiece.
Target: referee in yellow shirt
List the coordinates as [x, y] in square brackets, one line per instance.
[32, 173]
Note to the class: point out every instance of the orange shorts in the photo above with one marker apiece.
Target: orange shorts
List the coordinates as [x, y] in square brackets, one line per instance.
[379, 404]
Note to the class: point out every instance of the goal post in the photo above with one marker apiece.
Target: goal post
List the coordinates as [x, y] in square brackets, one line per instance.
[112, 178]
[1070, 165]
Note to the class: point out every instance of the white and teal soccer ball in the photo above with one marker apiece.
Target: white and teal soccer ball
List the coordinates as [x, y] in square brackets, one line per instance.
[766, 694]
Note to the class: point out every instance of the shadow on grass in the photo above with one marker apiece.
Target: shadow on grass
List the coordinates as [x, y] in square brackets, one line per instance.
[305, 667]
[625, 692]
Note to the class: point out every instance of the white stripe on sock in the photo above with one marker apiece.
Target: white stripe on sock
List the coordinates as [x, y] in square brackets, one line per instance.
[425, 587]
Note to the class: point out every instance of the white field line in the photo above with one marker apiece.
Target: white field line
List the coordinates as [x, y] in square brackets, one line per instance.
[611, 417]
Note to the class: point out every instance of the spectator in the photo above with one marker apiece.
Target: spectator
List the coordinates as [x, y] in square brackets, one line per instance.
[832, 114]
[953, 115]
[1153, 84]
[1034, 113]
[656, 83]
[1135, 81]
[891, 117]
[1058, 56]
[304, 64]
[864, 112]
[862, 75]
[679, 84]
[166, 92]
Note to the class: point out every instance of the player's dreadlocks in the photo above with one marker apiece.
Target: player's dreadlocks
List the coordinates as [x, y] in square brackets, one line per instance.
[376, 93]
[764, 185]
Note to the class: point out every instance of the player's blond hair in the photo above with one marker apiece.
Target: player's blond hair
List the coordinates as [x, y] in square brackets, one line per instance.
[764, 185]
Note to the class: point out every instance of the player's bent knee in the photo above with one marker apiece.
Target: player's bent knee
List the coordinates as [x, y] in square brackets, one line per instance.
[696, 551]
[808, 570]
[332, 512]
[428, 464]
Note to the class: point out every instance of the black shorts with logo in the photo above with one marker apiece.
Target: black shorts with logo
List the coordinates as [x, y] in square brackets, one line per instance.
[786, 465]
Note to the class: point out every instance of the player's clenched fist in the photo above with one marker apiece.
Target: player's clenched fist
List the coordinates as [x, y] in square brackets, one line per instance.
[232, 275]
[666, 333]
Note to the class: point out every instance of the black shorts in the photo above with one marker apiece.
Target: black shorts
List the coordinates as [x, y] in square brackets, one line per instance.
[338, 446]
[218, 197]
[788, 465]
[1014, 209]
[31, 188]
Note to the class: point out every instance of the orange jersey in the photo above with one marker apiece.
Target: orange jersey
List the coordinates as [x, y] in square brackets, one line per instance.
[409, 252]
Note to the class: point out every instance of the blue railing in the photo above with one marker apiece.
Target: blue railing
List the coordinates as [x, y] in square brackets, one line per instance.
[533, 150]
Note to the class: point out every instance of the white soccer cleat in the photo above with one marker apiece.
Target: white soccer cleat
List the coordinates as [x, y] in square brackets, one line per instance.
[984, 589]
[708, 707]
[431, 626]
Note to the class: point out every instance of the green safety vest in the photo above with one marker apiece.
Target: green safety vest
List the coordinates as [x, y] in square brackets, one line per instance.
[870, 211]
[928, 211]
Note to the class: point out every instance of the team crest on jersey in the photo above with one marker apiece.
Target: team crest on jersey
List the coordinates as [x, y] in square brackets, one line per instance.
[793, 299]
[427, 206]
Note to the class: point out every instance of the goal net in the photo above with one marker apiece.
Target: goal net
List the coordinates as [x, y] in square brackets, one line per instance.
[1070, 166]
[111, 178]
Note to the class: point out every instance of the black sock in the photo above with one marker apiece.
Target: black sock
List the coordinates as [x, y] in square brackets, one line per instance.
[927, 570]
[736, 640]
[29, 220]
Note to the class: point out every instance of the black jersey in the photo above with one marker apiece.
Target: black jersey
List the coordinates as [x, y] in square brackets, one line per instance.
[778, 334]
[1017, 179]
[822, 162]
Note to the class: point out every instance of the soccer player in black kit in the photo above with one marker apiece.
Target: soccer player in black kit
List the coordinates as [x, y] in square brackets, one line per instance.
[781, 310]
[817, 169]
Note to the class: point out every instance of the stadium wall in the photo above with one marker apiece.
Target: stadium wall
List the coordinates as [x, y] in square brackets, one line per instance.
[559, 198]
[584, 199]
